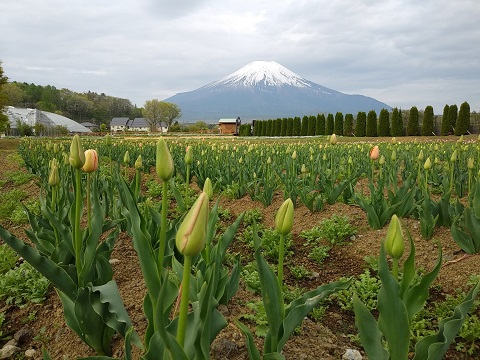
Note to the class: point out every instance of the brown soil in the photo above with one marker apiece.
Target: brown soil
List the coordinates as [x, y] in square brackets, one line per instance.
[325, 339]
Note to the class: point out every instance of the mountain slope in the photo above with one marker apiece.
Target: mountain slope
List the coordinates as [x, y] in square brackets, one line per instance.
[263, 90]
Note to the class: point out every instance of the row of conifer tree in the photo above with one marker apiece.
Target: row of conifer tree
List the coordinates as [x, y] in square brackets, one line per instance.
[453, 121]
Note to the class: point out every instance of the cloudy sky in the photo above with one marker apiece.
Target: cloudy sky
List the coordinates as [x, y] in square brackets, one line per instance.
[402, 52]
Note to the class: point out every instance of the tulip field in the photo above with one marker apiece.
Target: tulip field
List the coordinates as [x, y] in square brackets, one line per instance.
[243, 248]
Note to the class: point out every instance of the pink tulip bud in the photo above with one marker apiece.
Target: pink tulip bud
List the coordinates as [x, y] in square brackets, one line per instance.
[374, 153]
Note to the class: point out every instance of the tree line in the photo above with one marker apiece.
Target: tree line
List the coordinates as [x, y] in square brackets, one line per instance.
[398, 122]
[88, 106]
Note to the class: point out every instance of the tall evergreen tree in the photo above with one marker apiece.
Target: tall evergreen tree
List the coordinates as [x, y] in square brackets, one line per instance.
[320, 125]
[428, 118]
[338, 128]
[348, 125]
[397, 126]
[304, 128]
[371, 124]
[278, 126]
[330, 123]
[311, 125]
[289, 127]
[297, 126]
[445, 128]
[384, 123]
[361, 124]
[283, 130]
[413, 123]
[463, 119]
[452, 118]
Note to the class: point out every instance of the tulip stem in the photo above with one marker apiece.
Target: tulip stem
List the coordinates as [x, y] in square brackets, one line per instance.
[281, 255]
[163, 230]
[187, 181]
[78, 215]
[88, 202]
[182, 318]
[395, 268]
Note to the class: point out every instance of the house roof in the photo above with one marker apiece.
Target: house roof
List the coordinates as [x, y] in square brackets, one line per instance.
[139, 123]
[119, 121]
[227, 121]
[88, 124]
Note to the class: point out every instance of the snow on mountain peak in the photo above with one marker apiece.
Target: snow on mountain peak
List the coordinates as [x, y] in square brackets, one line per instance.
[262, 73]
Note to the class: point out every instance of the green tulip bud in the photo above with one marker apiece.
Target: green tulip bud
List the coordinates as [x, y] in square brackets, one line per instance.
[303, 170]
[164, 161]
[470, 163]
[188, 155]
[393, 157]
[350, 160]
[77, 156]
[421, 156]
[53, 178]
[454, 156]
[108, 140]
[192, 233]
[294, 155]
[208, 188]
[428, 164]
[139, 163]
[126, 158]
[284, 217]
[394, 243]
[269, 160]
[381, 161]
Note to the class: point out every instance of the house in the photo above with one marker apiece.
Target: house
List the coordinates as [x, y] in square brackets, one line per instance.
[139, 124]
[119, 124]
[90, 126]
[229, 126]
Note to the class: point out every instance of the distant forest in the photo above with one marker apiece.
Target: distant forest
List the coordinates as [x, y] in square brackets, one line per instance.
[81, 107]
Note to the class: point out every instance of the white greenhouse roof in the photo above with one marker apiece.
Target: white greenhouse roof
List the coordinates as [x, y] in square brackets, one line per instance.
[32, 116]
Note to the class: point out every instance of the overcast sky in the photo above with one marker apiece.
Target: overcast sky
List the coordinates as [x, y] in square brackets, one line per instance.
[402, 52]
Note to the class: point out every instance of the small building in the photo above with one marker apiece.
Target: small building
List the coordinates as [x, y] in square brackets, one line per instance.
[119, 124]
[229, 126]
[90, 126]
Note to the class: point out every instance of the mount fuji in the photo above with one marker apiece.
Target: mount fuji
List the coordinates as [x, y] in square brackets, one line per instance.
[267, 90]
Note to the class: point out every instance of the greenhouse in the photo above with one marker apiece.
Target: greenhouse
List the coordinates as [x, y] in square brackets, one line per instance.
[48, 120]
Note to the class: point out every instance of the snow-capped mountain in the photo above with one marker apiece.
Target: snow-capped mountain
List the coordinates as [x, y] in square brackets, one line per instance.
[266, 90]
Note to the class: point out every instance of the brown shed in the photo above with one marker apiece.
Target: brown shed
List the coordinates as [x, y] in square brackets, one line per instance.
[229, 126]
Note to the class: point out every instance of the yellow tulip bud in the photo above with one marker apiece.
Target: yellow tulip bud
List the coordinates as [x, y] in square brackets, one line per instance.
[333, 139]
[91, 161]
[394, 243]
[381, 161]
[428, 164]
[303, 170]
[208, 188]
[454, 156]
[284, 217]
[77, 156]
[470, 163]
[294, 155]
[192, 233]
[421, 156]
[164, 161]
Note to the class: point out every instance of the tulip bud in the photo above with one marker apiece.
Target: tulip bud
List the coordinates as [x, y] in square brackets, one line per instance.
[208, 188]
[126, 158]
[350, 160]
[269, 160]
[324, 157]
[421, 156]
[53, 178]
[393, 157]
[303, 170]
[454, 156]
[381, 161]
[164, 163]
[192, 233]
[77, 156]
[139, 163]
[470, 163]
[188, 155]
[428, 164]
[294, 155]
[394, 243]
[374, 153]
[333, 139]
[284, 217]
[66, 160]
[91, 161]
[108, 140]
[394, 140]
